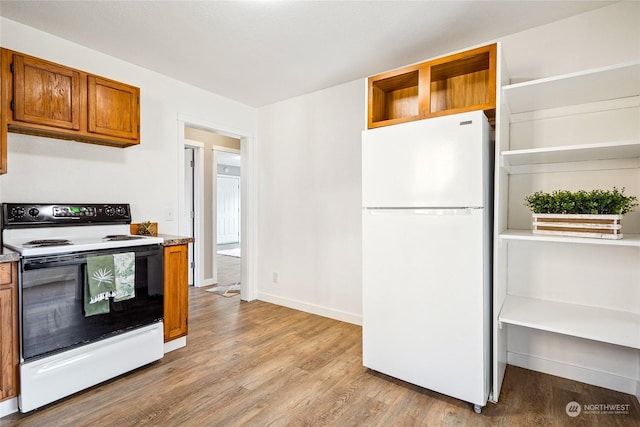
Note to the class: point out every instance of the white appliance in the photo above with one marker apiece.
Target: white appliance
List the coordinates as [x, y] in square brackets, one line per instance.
[63, 349]
[427, 233]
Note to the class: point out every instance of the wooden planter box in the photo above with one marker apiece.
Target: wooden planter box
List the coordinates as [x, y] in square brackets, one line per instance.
[135, 229]
[594, 226]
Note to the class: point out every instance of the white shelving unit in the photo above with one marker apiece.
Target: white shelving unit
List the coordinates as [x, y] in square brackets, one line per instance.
[601, 84]
[593, 323]
[537, 103]
[632, 240]
[571, 154]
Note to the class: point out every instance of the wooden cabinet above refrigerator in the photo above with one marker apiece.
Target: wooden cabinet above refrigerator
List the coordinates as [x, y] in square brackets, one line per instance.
[457, 83]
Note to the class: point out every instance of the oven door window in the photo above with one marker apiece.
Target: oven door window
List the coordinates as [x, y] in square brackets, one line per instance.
[53, 317]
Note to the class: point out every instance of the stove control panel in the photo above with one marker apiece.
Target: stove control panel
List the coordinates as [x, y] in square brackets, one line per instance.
[74, 211]
[20, 215]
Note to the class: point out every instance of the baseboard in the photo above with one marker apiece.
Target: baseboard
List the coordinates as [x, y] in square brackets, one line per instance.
[175, 344]
[8, 407]
[311, 308]
[576, 373]
[207, 282]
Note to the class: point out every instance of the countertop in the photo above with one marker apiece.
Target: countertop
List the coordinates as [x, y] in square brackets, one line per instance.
[7, 255]
[175, 240]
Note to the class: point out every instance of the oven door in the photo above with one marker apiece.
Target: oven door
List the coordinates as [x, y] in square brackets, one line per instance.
[52, 303]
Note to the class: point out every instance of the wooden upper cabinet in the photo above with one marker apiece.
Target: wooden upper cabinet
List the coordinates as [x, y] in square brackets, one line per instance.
[113, 108]
[4, 113]
[452, 84]
[45, 93]
[47, 99]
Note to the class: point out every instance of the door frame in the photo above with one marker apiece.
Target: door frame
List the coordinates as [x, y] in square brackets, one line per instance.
[248, 200]
[198, 202]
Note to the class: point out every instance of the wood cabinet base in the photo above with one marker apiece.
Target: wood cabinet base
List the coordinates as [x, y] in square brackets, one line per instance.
[8, 330]
[176, 291]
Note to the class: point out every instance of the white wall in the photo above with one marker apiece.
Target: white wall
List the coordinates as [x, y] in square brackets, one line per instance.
[44, 169]
[309, 199]
[310, 163]
[605, 36]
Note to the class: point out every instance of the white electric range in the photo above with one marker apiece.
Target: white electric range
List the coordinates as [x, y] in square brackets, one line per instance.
[66, 345]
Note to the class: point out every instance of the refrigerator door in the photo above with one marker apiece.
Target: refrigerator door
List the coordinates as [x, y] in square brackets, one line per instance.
[425, 320]
[439, 162]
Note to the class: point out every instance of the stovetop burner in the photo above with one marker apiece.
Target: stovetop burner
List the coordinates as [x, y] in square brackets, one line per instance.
[115, 237]
[47, 242]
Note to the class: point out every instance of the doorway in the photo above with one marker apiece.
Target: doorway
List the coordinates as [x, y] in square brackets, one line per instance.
[228, 214]
[205, 136]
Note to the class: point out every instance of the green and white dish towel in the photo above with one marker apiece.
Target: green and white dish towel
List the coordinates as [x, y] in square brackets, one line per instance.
[125, 268]
[99, 285]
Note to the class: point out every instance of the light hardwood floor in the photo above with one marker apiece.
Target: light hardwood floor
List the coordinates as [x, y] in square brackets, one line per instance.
[258, 364]
[228, 270]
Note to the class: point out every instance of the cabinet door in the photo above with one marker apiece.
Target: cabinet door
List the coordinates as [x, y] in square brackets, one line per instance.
[8, 331]
[4, 110]
[176, 292]
[113, 108]
[45, 93]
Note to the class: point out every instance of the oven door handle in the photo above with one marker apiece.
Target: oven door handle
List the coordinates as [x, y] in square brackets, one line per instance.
[62, 261]
[35, 265]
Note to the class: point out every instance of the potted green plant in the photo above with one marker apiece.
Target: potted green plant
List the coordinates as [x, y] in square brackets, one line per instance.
[596, 213]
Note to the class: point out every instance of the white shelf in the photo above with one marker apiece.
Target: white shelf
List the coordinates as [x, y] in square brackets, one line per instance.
[628, 239]
[601, 84]
[572, 153]
[593, 323]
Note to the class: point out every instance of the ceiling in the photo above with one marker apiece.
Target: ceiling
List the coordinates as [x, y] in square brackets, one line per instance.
[260, 52]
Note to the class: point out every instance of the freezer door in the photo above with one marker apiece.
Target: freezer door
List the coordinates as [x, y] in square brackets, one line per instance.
[425, 320]
[443, 161]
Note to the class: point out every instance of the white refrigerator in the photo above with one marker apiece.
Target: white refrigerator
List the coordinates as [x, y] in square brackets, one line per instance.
[427, 243]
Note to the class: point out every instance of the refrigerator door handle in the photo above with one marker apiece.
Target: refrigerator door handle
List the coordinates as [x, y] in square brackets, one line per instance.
[424, 211]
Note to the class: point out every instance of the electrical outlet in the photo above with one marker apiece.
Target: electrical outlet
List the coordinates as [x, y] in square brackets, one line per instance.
[168, 214]
[274, 277]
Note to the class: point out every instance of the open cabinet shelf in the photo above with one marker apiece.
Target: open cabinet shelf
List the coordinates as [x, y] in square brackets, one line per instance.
[600, 84]
[593, 323]
[632, 240]
[572, 153]
[457, 83]
[394, 99]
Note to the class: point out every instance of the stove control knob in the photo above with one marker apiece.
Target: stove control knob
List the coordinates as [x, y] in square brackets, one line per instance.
[17, 212]
[109, 210]
[120, 210]
[34, 212]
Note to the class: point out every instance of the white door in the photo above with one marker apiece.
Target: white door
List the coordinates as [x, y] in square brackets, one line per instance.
[424, 318]
[228, 209]
[440, 162]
